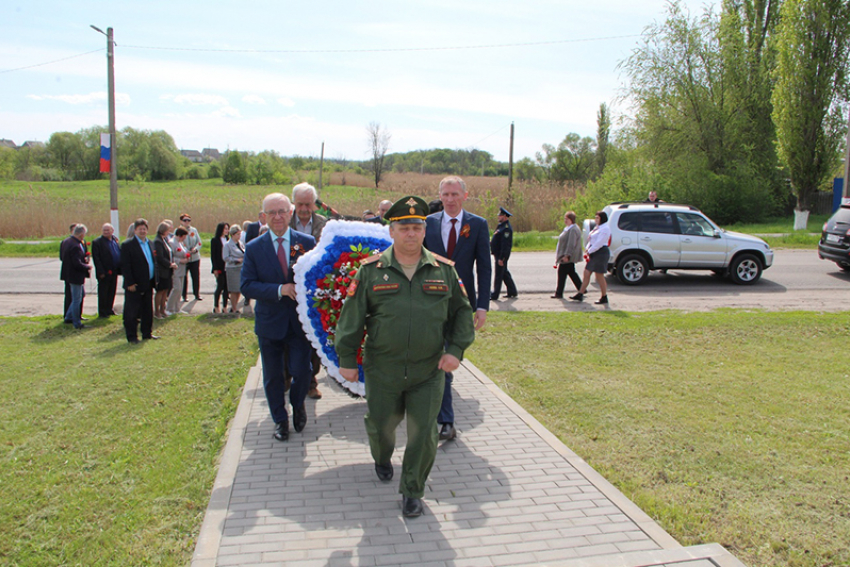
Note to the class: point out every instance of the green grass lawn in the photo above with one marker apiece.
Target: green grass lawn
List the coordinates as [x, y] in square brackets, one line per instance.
[729, 427]
[109, 450]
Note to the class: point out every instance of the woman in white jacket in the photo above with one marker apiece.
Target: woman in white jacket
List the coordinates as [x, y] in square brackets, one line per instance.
[597, 255]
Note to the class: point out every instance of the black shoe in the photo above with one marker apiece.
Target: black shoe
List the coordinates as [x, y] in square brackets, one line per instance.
[448, 432]
[494, 298]
[151, 338]
[299, 418]
[411, 507]
[81, 327]
[281, 431]
[602, 300]
[511, 296]
[384, 472]
[68, 322]
[556, 296]
[577, 297]
[198, 298]
[134, 341]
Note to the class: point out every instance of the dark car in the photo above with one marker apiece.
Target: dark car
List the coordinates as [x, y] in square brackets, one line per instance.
[834, 242]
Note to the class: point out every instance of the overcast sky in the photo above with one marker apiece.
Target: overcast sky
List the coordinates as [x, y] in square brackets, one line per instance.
[287, 76]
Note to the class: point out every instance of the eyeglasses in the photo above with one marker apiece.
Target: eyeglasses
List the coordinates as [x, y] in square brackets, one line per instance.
[279, 213]
[187, 220]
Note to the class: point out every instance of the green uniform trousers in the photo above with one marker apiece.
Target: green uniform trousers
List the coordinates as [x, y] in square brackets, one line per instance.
[387, 404]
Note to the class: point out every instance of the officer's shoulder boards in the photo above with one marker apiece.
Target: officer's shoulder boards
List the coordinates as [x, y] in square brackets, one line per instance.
[371, 259]
[443, 260]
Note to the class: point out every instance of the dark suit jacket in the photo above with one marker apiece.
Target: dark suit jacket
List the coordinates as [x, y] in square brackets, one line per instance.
[261, 278]
[102, 257]
[75, 270]
[163, 258]
[216, 248]
[472, 251]
[63, 247]
[134, 265]
[252, 231]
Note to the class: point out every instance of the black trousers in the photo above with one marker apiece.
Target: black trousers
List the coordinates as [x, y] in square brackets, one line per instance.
[68, 300]
[138, 308]
[220, 289]
[106, 287]
[564, 270]
[501, 274]
[193, 268]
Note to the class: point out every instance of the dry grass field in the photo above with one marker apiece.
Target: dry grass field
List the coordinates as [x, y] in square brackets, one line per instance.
[45, 209]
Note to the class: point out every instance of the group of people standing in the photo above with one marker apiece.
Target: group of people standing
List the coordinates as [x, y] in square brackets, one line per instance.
[596, 254]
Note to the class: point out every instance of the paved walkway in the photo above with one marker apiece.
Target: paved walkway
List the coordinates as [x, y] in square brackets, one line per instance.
[505, 492]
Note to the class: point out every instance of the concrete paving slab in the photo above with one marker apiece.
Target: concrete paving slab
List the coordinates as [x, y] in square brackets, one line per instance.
[505, 492]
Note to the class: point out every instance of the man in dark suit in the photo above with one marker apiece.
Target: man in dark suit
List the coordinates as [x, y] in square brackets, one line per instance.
[137, 267]
[70, 241]
[75, 270]
[252, 229]
[106, 254]
[267, 277]
[464, 238]
[307, 221]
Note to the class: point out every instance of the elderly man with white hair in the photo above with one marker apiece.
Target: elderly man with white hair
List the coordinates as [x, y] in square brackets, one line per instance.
[307, 221]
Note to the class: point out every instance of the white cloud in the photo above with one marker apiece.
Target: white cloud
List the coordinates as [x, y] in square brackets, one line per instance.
[196, 99]
[98, 97]
[286, 101]
[227, 111]
[253, 99]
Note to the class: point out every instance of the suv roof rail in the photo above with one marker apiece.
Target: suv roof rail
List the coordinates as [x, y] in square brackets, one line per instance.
[627, 204]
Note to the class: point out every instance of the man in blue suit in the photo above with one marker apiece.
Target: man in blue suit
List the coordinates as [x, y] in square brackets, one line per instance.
[267, 277]
[464, 238]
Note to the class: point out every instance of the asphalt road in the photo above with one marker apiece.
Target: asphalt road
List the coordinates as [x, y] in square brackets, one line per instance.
[797, 280]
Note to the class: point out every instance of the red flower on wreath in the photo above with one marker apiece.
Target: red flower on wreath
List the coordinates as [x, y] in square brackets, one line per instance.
[332, 290]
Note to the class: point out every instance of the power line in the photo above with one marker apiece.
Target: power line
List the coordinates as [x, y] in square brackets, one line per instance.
[50, 62]
[489, 136]
[383, 50]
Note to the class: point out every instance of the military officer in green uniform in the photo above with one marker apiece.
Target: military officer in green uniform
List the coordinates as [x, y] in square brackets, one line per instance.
[418, 323]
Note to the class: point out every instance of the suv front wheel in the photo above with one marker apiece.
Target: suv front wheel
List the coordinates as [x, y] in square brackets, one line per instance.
[745, 269]
[632, 269]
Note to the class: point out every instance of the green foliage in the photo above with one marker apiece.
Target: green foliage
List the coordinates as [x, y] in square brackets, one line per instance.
[811, 90]
[234, 172]
[109, 449]
[746, 446]
[573, 160]
[691, 79]
[445, 161]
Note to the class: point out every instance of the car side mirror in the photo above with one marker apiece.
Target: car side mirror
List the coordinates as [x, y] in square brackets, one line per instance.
[716, 233]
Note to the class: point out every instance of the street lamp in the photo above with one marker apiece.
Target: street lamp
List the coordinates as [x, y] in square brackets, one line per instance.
[113, 170]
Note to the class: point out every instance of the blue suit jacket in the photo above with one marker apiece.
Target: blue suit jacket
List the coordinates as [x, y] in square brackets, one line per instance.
[472, 251]
[261, 278]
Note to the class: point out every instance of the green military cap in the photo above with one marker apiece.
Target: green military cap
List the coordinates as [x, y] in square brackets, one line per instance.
[408, 210]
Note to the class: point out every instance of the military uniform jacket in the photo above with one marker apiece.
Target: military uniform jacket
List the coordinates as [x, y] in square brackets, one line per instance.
[409, 323]
[502, 241]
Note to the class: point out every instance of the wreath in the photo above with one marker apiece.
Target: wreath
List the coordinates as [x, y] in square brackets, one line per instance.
[322, 277]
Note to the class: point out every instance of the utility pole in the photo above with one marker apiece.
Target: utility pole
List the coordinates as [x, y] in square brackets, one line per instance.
[321, 163]
[846, 191]
[113, 162]
[511, 165]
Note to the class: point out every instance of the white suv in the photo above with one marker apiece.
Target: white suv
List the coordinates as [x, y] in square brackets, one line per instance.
[664, 236]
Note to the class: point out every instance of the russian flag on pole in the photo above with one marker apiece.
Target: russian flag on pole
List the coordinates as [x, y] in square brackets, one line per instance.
[105, 153]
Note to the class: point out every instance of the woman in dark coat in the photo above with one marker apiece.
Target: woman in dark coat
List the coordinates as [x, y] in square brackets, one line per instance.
[165, 266]
[216, 246]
